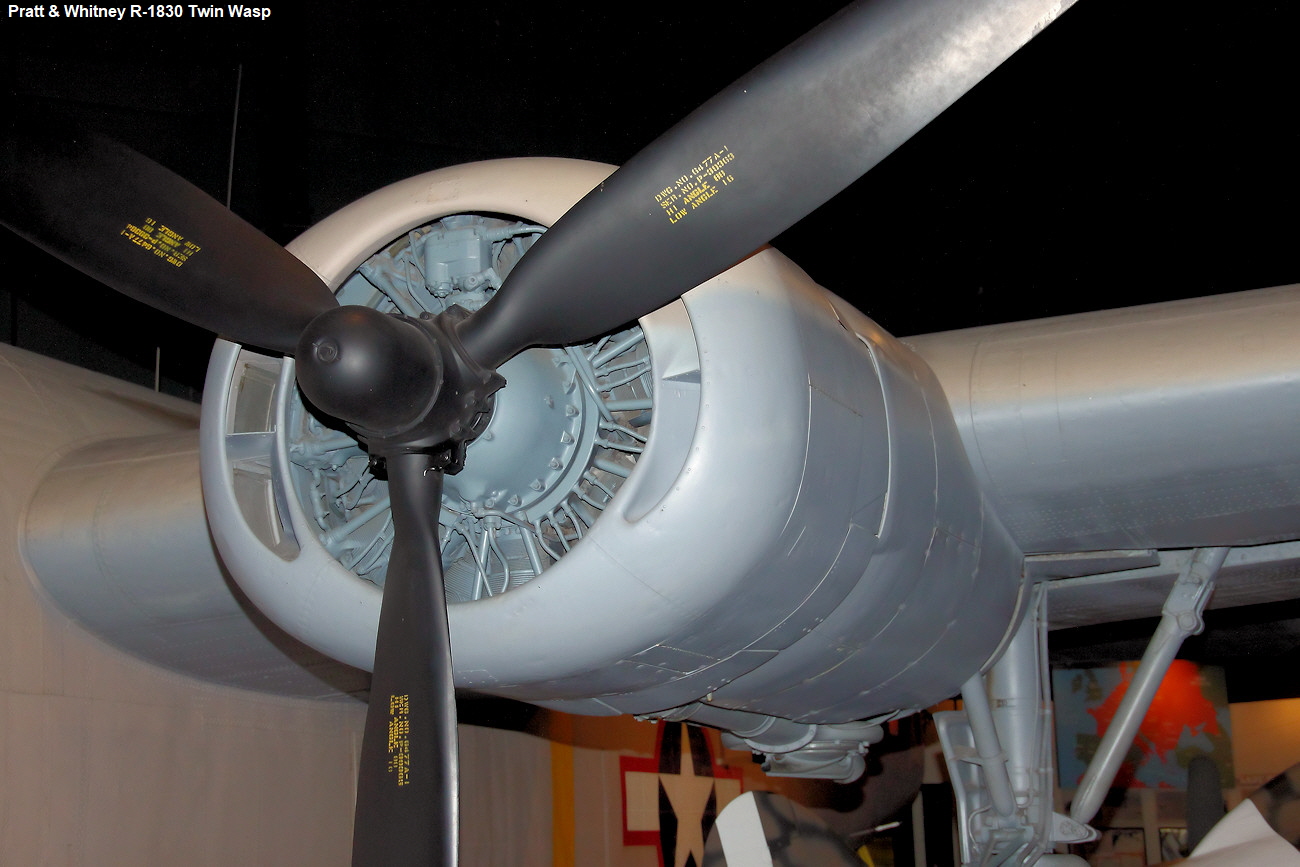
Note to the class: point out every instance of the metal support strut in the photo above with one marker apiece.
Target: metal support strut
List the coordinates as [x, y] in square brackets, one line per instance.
[988, 747]
[1180, 618]
[999, 755]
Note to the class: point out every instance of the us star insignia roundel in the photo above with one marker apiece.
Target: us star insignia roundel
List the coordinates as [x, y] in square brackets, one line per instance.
[672, 800]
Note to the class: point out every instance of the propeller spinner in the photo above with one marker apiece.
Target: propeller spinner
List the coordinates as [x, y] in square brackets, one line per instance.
[742, 168]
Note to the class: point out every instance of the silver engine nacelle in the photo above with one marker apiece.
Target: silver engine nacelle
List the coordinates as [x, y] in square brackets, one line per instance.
[754, 506]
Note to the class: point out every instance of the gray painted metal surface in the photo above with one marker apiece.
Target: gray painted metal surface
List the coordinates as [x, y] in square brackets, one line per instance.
[117, 534]
[1160, 426]
[804, 536]
[999, 751]
[814, 531]
[1182, 618]
[1249, 576]
[801, 537]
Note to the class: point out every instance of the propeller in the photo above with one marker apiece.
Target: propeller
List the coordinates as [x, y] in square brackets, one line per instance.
[407, 806]
[739, 170]
[749, 163]
[138, 228]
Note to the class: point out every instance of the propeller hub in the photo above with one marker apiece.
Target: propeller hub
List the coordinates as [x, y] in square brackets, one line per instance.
[379, 373]
[402, 384]
[325, 350]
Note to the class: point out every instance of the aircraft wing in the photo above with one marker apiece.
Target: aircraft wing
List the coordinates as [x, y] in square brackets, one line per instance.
[1111, 442]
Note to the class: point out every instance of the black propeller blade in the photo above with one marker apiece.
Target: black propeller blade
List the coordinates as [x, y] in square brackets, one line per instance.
[745, 166]
[118, 216]
[142, 230]
[407, 810]
[748, 164]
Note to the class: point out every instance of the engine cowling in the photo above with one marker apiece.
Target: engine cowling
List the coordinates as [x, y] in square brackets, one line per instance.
[752, 506]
